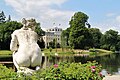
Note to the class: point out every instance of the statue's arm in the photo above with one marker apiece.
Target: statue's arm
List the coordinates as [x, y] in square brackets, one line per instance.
[14, 43]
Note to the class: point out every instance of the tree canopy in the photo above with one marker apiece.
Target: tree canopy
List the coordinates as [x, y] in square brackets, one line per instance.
[109, 40]
[2, 17]
[7, 27]
[96, 35]
[79, 36]
[6, 30]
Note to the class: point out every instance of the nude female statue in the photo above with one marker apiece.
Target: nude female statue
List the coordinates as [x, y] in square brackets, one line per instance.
[26, 52]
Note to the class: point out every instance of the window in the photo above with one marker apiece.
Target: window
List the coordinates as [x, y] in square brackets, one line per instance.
[60, 29]
[55, 29]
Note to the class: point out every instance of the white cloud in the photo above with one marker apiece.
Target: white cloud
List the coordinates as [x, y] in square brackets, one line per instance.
[112, 21]
[46, 12]
[111, 14]
[118, 19]
[107, 25]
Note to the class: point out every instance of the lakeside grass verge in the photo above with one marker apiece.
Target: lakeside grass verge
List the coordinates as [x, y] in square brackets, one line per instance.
[91, 52]
[5, 52]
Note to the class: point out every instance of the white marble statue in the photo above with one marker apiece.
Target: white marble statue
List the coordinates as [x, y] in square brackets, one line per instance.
[27, 55]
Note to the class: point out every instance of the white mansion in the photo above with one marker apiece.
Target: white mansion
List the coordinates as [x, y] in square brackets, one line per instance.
[51, 34]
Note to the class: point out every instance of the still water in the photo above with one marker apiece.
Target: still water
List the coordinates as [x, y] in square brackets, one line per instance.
[110, 63]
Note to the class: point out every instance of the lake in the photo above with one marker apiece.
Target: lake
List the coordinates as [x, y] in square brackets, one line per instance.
[110, 63]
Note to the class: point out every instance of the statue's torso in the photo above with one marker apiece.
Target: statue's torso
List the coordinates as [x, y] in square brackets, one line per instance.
[28, 52]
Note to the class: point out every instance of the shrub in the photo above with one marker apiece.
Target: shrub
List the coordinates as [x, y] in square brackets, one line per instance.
[6, 73]
[61, 71]
[50, 49]
[73, 71]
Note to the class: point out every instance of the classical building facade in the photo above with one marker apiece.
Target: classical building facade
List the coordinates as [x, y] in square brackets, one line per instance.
[51, 34]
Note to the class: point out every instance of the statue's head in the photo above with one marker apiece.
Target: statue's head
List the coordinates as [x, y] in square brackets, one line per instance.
[24, 21]
[30, 23]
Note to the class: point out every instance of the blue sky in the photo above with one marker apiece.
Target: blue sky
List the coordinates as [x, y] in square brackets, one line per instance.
[103, 14]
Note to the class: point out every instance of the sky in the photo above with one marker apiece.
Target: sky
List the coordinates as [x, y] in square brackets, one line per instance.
[103, 14]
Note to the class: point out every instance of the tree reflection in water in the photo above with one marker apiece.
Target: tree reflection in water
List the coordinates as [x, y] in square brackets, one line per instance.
[109, 62]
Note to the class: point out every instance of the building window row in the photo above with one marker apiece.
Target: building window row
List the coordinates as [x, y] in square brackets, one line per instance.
[54, 30]
[51, 38]
[53, 35]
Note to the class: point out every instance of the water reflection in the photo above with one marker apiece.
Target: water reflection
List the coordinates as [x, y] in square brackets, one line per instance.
[110, 63]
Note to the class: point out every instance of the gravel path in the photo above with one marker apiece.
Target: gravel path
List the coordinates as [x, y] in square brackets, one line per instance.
[113, 77]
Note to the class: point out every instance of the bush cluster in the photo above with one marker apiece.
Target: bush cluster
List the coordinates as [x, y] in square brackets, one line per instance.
[61, 71]
[73, 71]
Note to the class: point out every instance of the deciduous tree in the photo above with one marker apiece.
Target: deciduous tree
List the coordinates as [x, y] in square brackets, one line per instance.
[79, 37]
[109, 40]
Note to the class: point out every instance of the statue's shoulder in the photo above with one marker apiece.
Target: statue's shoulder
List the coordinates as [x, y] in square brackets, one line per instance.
[16, 32]
[33, 32]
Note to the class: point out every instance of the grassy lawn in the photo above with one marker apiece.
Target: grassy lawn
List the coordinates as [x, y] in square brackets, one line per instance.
[66, 51]
[5, 52]
[5, 55]
[59, 51]
[98, 52]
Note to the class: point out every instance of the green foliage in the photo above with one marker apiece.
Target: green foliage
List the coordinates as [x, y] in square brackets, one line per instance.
[52, 44]
[109, 40]
[81, 38]
[2, 17]
[78, 20]
[61, 71]
[99, 50]
[50, 49]
[6, 74]
[6, 30]
[38, 30]
[112, 48]
[73, 71]
[96, 35]
[118, 43]
[65, 38]
[41, 43]
[5, 52]
[79, 35]
[40, 33]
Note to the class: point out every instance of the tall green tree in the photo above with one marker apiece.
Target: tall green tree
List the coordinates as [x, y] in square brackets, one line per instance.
[109, 40]
[38, 30]
[2, 17]
[6, 29]
[118, 43]
[65, 38]
[41, 33]
[79, 37]
[96, 34]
